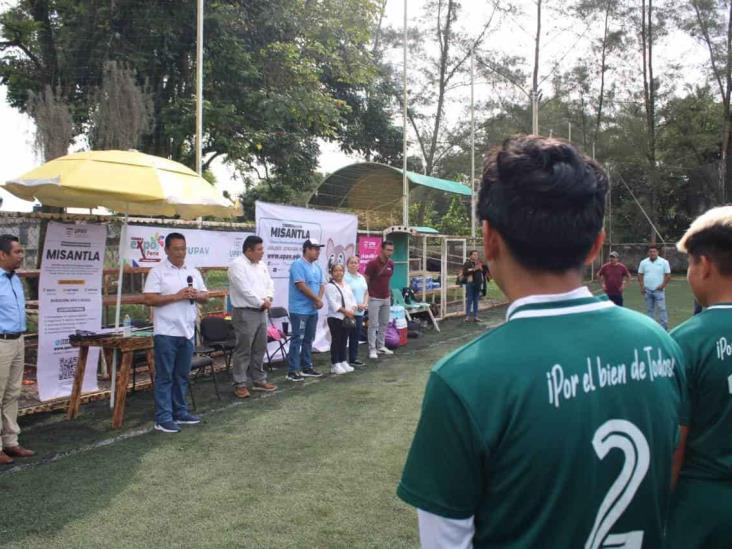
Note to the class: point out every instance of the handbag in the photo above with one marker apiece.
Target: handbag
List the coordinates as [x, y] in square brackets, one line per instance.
[348, 323]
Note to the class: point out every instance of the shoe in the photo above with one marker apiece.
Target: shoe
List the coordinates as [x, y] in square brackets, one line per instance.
[188, 419]
[310, 372]
[18, 452]
[373, 355]
[295, 376]
[167, 427]
[337, 369]
[468, 319]
[264, 386]
[241, 392]
[5, 459]
[476, 319]
[386, 351]
[347, 367]
[357, 363]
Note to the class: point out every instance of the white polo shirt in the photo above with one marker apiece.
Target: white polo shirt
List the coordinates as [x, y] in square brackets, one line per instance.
[178, 318]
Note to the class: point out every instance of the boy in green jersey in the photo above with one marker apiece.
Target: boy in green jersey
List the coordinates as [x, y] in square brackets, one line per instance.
[556, 429]
[702, 503]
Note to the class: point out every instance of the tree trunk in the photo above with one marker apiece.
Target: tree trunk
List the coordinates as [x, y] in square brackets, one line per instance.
[535, 78]
[650, 100]
[603, 69]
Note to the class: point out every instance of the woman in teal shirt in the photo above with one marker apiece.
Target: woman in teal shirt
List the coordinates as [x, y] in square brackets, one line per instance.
[358, 285]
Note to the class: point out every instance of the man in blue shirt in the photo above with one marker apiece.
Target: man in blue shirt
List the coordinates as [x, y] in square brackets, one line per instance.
[654, 274]
[12, 347]
[307, 285]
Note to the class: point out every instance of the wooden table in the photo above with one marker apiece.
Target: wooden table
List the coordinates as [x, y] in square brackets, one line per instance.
[127, 346]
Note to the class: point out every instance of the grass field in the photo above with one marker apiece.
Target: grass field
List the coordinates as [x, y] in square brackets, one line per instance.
[309, 466]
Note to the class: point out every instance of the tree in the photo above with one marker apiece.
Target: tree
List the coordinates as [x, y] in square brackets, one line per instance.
[710, 22]
[122, 110]
[457, 219]
[53, 123]
[278, 76]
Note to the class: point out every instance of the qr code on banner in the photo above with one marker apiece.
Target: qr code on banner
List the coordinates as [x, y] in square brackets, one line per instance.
[67, 367]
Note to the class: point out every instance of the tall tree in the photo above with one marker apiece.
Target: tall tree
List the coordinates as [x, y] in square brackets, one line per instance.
[710, 22]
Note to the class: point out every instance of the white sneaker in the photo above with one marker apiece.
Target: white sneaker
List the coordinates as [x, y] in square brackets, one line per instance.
[337, 369]
[346, 366]
[386, 351]
[373, 355]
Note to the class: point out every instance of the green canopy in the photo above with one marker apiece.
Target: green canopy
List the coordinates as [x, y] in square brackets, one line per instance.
[376, 189]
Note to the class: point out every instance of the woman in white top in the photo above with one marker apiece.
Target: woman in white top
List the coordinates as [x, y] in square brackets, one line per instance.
[341, 310]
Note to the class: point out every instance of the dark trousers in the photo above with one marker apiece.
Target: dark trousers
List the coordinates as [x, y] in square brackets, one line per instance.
[339, 338]
[353, 338]
[617, 299]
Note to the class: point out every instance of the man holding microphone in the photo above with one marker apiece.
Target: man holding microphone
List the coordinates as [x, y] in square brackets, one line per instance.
[173, 288]
[252, 291]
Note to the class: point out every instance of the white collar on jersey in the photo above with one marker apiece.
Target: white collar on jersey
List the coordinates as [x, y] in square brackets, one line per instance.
[578, 293]
[720, 306]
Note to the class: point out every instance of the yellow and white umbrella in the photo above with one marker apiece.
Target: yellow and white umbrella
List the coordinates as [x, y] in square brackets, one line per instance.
[125, 181]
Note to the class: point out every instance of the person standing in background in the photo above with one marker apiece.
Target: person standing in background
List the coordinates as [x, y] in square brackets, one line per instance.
[378, 275]
[614, 277]
[173, 288]
[341, 312]
[307, 285]
[12, 347]
[359, 287]
[654, 274]
[473, 277]
[252, 293]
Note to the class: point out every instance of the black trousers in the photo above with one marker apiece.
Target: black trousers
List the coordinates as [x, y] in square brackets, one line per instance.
[339, 340]
[617, 299]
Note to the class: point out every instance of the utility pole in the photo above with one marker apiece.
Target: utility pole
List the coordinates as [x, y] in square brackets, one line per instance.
[405, 180]
[472, 144]
[199, 85]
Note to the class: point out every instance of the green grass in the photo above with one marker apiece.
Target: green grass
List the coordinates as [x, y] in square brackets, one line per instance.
[314, 465]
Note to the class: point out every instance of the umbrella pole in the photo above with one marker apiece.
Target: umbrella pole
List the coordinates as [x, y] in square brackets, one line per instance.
[122, 240]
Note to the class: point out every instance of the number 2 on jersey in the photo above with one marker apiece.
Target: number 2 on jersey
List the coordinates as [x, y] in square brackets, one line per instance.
[621, 434]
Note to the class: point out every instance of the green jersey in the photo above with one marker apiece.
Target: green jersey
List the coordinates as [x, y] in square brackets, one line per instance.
[702, 506]
[556, 429]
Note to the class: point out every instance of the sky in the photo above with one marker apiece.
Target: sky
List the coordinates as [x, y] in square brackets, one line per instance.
[514, 35]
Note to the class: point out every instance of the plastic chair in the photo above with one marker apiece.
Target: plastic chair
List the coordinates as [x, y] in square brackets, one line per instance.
[414, 307]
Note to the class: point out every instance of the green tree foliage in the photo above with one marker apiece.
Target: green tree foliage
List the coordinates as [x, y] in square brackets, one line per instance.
[457, 219]
[278, 76]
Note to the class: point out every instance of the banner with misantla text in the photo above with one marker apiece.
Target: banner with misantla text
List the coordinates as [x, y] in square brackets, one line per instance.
[284, 229]
[144, 246]
[69, 299]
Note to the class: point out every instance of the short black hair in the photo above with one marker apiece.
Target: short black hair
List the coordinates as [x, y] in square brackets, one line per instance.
[251, 242]
[653, 247]
[471, 252]
[6, 242]
[716, 244]
[546, 199]
[173, 236]
[385, 243]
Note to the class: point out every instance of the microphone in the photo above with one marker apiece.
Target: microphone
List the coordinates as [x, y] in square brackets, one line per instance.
[190, 285]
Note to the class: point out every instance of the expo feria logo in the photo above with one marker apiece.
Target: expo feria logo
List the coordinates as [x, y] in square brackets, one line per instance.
[151, 248]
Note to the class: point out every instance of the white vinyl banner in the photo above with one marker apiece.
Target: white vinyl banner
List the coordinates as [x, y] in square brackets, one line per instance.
[285, 228]
[144, 246]
[70, 299]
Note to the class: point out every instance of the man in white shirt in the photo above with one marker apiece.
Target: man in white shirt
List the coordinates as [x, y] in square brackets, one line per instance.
[654, 274]
[251, 291]
[173, 288]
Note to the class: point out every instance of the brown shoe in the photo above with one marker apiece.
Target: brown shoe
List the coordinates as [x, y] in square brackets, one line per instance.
[241, 392]
[19, 452]
[5, 459]
[264, 386]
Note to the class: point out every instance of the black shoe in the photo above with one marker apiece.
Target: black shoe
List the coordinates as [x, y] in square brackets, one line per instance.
[357, 363]
[309, 372]
[295, 376]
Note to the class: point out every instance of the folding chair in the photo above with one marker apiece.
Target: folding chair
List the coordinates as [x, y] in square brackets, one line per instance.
[217, 334]
[414, 307]
[198, 365]
[280, 314]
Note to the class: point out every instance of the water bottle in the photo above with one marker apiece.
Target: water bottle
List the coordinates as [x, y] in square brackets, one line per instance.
[127, 326]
